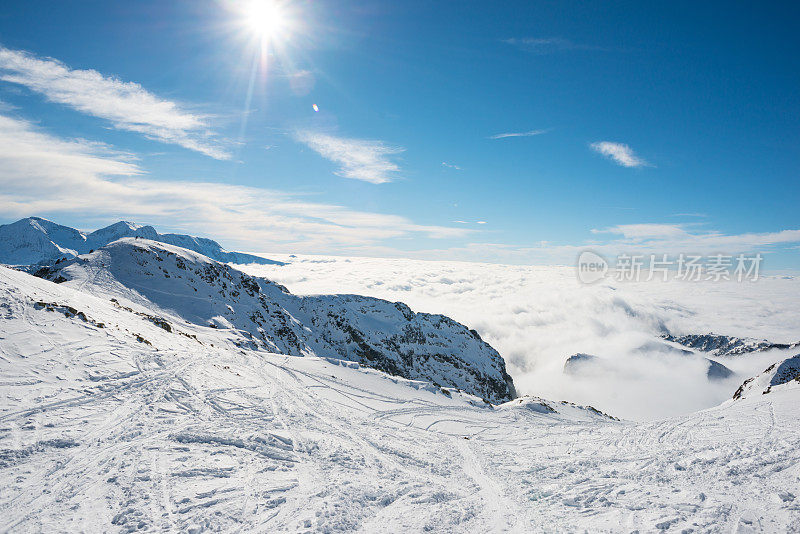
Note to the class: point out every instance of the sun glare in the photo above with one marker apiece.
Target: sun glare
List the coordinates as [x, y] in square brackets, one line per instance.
[266, 18]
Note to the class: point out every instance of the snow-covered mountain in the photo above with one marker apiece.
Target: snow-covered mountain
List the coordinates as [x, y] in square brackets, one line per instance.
[189, 287]
[778, 376]
[37, 241]
[720, 345]
[120, 416]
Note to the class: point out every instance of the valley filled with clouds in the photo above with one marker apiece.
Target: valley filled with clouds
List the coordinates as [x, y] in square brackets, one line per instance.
[538, 316]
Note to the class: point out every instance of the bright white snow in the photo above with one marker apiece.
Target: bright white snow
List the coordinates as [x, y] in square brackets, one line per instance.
[127, 426]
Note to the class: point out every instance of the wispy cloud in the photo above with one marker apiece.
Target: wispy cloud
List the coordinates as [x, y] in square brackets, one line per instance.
[451, 166]
[301, 81]
[359, 159]
[620, 153]
[529, 133]
[645, 231]
[43, 174]
[700, 215]
[679, 238]
[126, 105]
[547, 45]
[635, 239]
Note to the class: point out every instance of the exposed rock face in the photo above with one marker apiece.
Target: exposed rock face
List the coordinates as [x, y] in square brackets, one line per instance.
[726, 345]
[717, 371]
[580, 362]
[379, 334]
[586, 364]
[784, 374]
[37, 241]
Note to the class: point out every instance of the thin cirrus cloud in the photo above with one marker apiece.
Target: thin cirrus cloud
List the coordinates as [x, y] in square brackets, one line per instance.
[451, 166]
[43, 174]
[359, 159]
[677, 237]
[126, 105]
[529, 133]
[619, 153]
[547, 45]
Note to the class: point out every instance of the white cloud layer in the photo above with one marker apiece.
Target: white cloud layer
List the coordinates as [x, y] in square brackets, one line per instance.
[620, 153]
[359, 159]
[42, 174]
[126, 105]
[536, 317]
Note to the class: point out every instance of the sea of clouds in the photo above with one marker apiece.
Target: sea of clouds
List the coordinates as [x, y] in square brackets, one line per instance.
[537, 316]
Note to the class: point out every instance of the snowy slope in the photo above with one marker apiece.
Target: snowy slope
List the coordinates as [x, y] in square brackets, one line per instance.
[380, 334]
[38, 241]
[111, 422]
[33, 240]
[778, 376]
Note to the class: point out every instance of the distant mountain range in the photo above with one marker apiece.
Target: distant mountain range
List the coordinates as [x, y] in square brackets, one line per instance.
[720, 345]
[37, 241]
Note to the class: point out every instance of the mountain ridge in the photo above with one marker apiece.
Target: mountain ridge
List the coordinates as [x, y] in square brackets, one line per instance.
[722, 345]
[384, 335]
[38, 241]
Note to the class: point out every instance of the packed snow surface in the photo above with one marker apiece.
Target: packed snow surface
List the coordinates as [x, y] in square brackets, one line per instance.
[110, 421]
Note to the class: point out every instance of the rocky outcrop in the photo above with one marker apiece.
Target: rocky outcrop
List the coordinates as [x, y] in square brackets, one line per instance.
[719, 345]
[581, 364]
[777, 376]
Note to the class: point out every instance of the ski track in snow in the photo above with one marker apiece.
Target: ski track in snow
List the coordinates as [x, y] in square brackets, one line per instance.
[100, 432]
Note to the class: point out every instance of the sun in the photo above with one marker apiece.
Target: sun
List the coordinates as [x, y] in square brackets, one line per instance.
[266, 18]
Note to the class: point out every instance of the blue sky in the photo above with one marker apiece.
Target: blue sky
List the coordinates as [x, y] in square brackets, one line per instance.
[663, 128]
